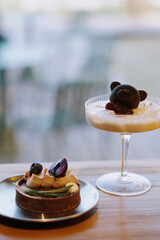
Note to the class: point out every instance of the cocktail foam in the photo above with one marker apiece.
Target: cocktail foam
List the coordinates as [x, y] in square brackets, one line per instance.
[146, 117]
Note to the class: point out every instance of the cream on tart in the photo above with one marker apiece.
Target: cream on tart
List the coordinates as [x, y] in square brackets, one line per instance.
[50, 190]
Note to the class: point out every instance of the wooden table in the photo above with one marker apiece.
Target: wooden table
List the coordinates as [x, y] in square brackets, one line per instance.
[117, 218]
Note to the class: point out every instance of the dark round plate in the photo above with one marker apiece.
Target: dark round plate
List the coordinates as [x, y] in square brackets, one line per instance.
[9, 209]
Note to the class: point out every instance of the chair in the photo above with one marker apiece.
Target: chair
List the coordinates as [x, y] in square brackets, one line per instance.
[70, 101]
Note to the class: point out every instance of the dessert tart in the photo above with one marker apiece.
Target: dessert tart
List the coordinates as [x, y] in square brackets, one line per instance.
[52, 190]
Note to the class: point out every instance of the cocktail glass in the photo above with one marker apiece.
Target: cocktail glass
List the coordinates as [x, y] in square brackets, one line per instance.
[123, 183]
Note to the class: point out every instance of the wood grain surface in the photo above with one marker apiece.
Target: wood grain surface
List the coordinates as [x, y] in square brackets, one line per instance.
[114, 218]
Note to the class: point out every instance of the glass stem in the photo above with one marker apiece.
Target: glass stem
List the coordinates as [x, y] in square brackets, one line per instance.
[125, 145]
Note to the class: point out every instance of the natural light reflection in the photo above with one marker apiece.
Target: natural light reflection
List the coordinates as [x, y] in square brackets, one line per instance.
[63, 4]
[89, 5]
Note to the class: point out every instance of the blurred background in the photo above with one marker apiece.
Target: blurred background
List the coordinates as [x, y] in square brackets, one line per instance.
[54, 55]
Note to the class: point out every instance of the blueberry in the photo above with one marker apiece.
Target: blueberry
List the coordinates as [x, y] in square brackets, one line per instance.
[36, 168]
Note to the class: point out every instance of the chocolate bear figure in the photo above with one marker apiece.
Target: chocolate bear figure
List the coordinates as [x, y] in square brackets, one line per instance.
[124, 98]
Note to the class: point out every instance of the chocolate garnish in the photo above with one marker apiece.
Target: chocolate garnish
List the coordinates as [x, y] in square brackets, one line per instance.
[124, 98]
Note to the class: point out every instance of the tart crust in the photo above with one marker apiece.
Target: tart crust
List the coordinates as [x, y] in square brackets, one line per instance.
[46, 205]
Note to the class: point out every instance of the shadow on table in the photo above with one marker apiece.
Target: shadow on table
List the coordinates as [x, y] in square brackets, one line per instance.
[46, 225]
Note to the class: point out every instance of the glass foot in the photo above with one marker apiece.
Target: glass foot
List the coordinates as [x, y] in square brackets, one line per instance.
[131, 185]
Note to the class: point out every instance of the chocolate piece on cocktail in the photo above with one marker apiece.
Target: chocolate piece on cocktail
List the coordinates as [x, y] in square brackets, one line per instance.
[124, 98]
